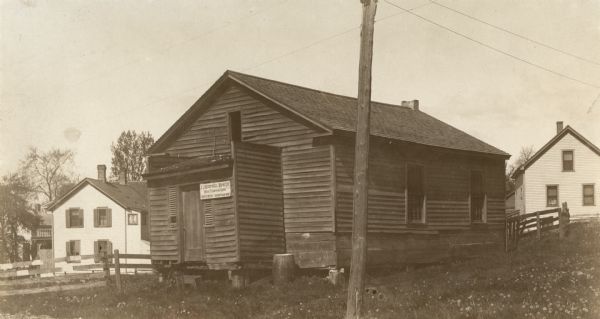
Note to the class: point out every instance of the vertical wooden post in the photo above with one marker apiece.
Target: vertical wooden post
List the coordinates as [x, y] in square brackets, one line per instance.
[240, 279]
[106, 267]
[118, 272]
[506, 234]
[358, 262]
[283, 268]
[563, 221]
[538, 225]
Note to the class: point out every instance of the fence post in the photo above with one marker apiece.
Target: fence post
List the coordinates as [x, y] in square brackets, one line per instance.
[106, 266]
[118, 271]
[563, 221]
[539, 225]
[506, 234]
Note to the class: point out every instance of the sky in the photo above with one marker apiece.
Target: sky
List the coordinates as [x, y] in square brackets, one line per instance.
[75, 74]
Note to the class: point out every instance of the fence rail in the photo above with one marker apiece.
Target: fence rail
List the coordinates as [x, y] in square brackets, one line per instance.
[21, 273]
[521, 225]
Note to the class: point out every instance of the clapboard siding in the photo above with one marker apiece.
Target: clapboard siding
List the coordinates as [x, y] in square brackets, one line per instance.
[163, 240]
[386, 212]
[307, 188]
[208, 134]
[445, 212]
[386, 190]
[547, 170]
[221, 241]
[261, 124]
[447, 188]
[258, 172]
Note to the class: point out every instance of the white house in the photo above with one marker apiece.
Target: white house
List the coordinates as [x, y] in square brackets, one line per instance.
[566, 169]
[97, 216]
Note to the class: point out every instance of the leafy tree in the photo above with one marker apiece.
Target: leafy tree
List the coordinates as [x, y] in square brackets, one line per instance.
[15, 214]
[49, 171]
[128, 154]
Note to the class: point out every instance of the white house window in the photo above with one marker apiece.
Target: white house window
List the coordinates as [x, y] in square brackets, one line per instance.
[588, 195]
[102, 217]
[132, 219]
[567, 161]
[100, 248]
[73, 248]
[74, 218]
[552, 195]
[415, 192]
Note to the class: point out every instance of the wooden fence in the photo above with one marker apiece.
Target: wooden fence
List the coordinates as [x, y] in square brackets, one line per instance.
[17, 276]
[522, 225]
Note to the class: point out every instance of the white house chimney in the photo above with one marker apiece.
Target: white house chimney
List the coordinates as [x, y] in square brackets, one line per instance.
[559, 127]
[122, 178]
[102, 172]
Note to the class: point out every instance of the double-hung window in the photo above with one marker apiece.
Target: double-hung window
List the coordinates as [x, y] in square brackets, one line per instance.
[74, 218]
[102, 217]
[588, 195]
[552, 195]
[73, 248]
[567, 161]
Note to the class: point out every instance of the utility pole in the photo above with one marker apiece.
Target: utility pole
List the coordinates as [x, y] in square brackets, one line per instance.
[356, 287]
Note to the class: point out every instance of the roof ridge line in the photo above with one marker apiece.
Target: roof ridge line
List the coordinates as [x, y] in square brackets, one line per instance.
[312, 89]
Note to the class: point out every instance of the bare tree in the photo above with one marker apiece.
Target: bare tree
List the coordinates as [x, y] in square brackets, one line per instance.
[48, 171]
[525, 154]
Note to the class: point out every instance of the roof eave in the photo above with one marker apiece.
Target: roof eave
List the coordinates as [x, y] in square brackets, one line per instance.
[555, 140]
[346, 133]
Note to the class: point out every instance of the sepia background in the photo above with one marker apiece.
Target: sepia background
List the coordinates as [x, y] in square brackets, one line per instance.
[74, 74]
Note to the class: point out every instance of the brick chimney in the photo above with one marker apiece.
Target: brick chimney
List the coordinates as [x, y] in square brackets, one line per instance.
[559, 127]
[123, 178]
[102, 172]
[414, 104]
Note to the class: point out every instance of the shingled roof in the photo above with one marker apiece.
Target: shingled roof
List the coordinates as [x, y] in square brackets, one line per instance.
[336, 112]
[130, 196]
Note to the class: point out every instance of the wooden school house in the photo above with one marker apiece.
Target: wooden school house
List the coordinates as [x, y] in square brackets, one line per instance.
[258, 167]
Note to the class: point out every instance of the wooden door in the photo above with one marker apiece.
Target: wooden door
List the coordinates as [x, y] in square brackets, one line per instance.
[193, 220]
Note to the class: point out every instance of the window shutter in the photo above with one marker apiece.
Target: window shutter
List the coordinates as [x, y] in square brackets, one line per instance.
[109, 248]
[172, 198]
[109, 217]
[77, 247]
[96, 218]
[68, 218]
[96, 251]
[81, 215]
[68, 249]
[209, 218]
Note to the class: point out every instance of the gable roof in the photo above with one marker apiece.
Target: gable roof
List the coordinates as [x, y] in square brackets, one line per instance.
[131, 196]
[336, 112]
[551, 143]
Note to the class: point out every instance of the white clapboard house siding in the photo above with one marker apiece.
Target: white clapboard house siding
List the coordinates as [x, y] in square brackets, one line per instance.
[545, 168]
[121, 227]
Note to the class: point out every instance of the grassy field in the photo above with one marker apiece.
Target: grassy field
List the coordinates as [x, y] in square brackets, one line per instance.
[545, 279]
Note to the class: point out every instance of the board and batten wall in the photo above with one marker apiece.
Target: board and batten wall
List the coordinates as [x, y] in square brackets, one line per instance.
[547, 170]
[126, 238]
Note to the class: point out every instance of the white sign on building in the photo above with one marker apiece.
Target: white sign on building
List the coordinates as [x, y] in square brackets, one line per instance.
[215, 190]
